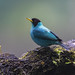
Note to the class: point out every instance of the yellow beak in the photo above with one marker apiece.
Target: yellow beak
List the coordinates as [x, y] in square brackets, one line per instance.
[29, 19]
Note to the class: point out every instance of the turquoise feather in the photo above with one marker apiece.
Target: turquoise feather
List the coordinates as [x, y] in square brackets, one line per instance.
[44, 36]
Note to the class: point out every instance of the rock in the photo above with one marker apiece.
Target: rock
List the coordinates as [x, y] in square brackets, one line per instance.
[10, 65]
[53, 60]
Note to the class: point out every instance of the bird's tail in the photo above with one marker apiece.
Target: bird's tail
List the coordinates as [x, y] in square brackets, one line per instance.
[65, 46]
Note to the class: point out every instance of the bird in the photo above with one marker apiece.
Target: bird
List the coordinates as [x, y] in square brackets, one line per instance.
[43, 36]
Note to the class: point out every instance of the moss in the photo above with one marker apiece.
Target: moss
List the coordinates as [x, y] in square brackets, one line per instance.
[53, 60]
[49, 60]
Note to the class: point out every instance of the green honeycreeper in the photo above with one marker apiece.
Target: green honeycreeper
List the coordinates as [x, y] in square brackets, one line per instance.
[43, 36]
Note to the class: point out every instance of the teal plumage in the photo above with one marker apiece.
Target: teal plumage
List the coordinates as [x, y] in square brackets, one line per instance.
[43, 36]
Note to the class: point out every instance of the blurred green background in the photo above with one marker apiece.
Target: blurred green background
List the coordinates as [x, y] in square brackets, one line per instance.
[57, 15]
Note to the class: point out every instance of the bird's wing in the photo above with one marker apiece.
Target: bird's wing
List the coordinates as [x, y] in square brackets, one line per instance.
[56, 36]
[46, 35]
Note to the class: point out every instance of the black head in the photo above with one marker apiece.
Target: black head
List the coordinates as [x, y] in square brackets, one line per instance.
[35, 21]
